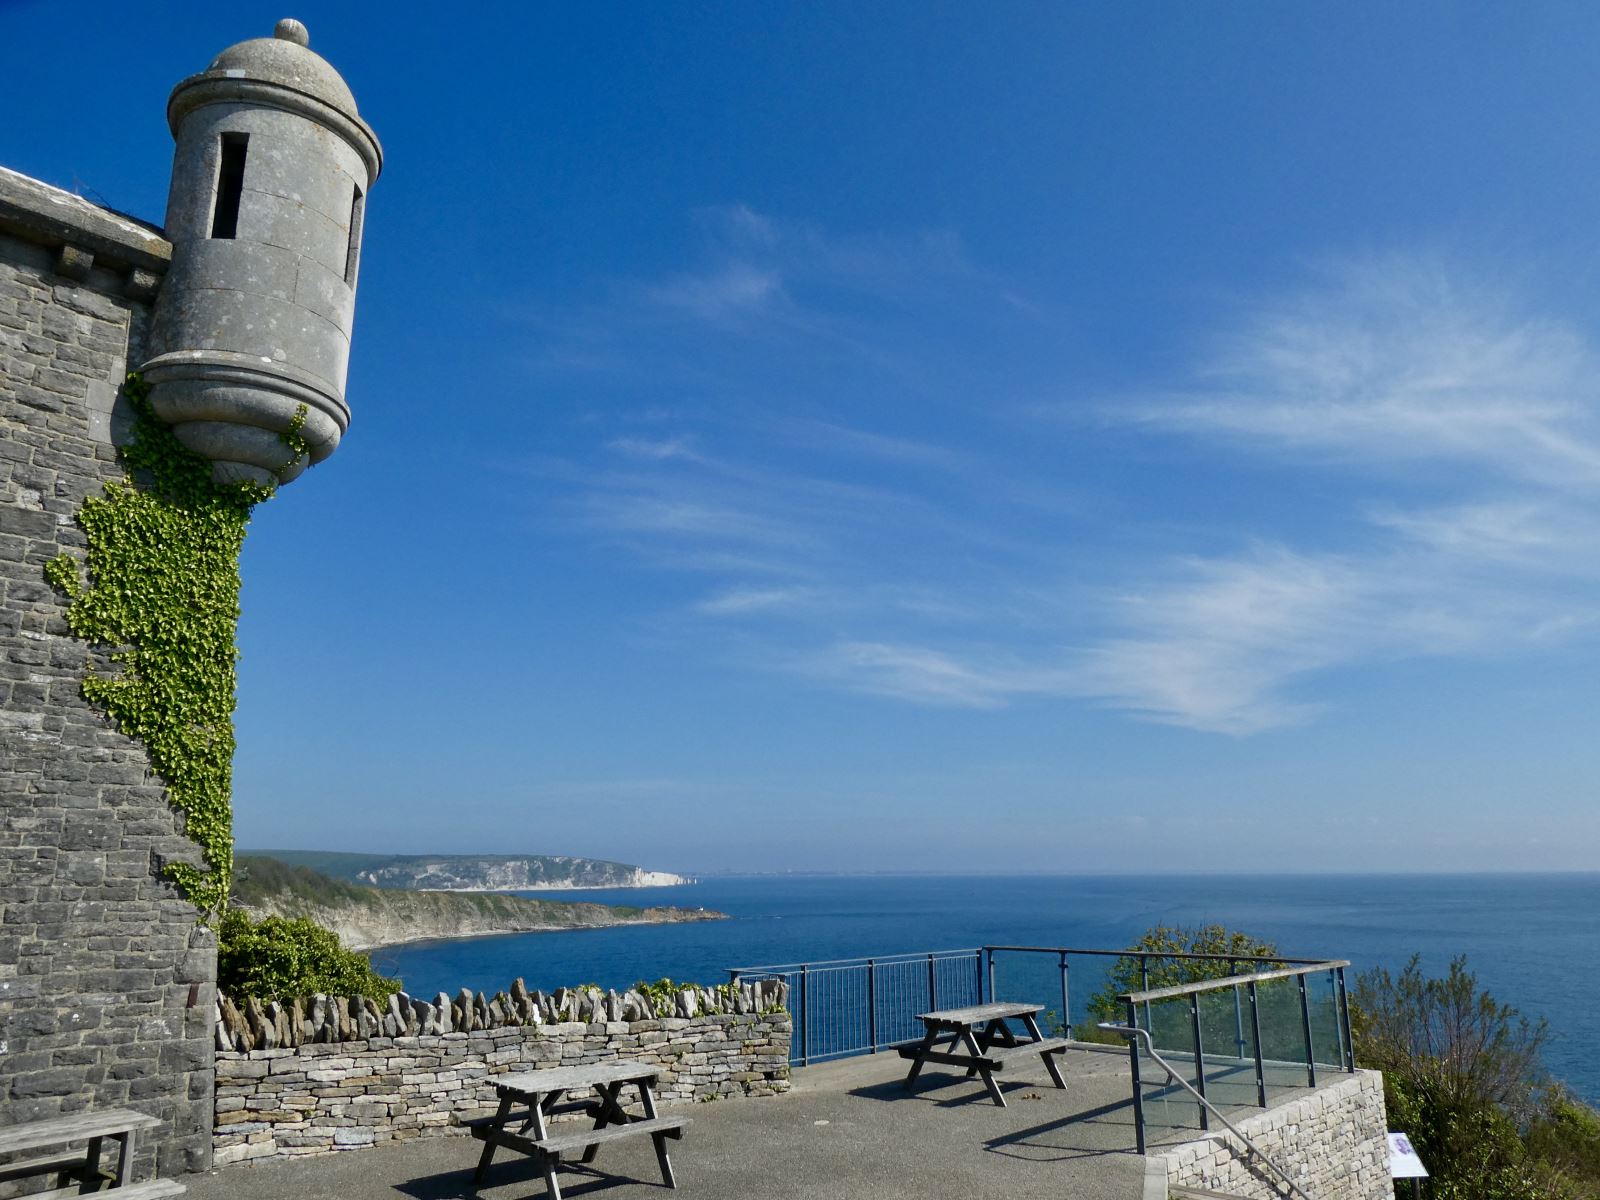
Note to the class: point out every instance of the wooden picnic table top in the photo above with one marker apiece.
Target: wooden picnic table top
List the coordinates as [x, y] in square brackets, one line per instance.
[979, 1013]
[580, 1076]
[75, 1127]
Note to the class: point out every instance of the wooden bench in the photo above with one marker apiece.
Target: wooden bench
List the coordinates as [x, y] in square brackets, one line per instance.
[980, 1039]
[557, 1144]
[155, 1189]
[994, 1058]
[76, 1170]
[531, 1097]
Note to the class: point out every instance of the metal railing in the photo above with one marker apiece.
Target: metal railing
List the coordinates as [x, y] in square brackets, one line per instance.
[1262, 1025]
[1243, 1034]
[862, 1005]
[1148, 964]
[1135, 1035]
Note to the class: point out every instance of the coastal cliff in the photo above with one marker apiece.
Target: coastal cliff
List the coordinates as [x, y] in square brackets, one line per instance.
[477, 872]
[367, 917]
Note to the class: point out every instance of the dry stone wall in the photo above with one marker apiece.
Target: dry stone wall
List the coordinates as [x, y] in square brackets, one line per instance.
[324, 1096]
[253, 1025]
[1332, 1143]
[106, 982]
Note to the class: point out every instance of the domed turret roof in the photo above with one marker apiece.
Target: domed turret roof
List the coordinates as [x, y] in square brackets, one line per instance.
[286, 58]
[279, 72]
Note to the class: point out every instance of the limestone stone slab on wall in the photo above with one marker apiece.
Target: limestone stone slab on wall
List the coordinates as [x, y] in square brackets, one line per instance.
[1332, 1143]
[106, 983]
[323, 1097]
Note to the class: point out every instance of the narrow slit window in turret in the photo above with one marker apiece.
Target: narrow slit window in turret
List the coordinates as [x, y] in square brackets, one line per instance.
[354, 249]
[230, 186]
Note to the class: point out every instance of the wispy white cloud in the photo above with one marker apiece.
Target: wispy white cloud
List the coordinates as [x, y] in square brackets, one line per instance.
[655, 449]
[927, 675]
[730, 290]
[1452, 427]
[1399, 360]
[1384, 361]
[743, 601]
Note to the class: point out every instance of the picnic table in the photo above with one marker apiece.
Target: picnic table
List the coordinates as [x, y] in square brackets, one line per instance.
[80, 1170]
[980, 1038]
[531, 1097]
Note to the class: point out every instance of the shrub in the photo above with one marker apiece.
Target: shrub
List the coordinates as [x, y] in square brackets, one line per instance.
[1462, 1076]
[1126, 976]
[276, 957]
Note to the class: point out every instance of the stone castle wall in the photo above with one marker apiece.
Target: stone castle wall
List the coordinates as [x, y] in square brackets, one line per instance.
[327, 1096]
[106, 982]
[1332, 1143]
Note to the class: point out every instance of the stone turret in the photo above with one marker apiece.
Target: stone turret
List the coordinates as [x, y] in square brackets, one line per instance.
[251, 338]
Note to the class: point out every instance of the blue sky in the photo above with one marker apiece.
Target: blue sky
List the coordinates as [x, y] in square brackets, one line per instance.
[927, 436]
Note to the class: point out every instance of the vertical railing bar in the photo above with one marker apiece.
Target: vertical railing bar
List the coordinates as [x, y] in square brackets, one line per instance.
[872, 1004]
[805, 1016]
[1305, 1028]
[1066, 1000]
[1238, 1012]
[977, 967]
[1199, 1060]
[1344, 1021]
[989, 954]
[1255, 1035]
[1144, 986]
[933, 990]
[1133, 1071]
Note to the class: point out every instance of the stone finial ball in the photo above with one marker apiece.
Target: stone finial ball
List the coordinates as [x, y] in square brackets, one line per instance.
[290, 30]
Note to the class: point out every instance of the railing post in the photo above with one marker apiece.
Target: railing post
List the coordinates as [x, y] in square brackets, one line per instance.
[1144, 986]
[1238, 1012]
[1305, 1028]
[933, 986]
[1255, 1035]
[1066, 1001]
[872, 1005]
[988, 952]
[805, 1016]
[1344, 1022]
[1133, 1071]
[1199, 1059]
[977, 967]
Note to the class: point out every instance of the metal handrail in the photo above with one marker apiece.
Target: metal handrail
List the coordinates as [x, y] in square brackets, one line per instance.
[1212, 985]
[1277, 958]
[880, 959]
[1133, 1031]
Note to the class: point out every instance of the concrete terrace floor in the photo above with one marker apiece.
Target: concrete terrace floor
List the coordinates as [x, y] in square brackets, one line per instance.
[847, 1128]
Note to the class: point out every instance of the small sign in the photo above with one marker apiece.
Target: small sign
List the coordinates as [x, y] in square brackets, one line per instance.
[1403, 1160]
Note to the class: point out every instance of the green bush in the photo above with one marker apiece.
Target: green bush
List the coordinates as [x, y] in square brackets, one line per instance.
[1463, 1078]
[1565, 1135]
[276, 958]
[1125, 974]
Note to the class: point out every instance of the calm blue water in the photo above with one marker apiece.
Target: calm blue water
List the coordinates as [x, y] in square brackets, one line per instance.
[1533, 940]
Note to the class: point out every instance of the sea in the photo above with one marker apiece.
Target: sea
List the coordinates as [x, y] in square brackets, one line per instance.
[1533, 940]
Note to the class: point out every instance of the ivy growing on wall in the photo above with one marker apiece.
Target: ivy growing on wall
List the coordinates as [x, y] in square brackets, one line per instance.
[162, 595]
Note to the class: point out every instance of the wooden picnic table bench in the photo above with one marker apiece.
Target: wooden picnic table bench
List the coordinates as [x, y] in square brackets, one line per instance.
[79, 1169]
[532, 1096]
[980, 1038]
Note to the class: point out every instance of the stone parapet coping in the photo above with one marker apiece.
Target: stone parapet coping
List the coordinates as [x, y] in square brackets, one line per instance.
[84, 234]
